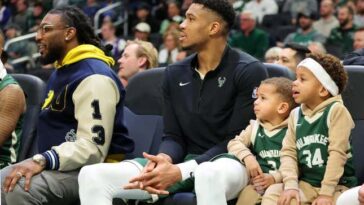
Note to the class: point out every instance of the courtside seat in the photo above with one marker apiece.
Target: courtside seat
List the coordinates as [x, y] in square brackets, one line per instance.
[353, 97]
[276, 70]
[34, 89]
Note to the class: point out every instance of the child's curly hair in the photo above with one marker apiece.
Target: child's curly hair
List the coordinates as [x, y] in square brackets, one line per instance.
[333, 67]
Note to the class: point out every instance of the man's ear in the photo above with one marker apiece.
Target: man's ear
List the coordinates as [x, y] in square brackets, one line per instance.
[215, 27]
[142, 61]
[70, 34]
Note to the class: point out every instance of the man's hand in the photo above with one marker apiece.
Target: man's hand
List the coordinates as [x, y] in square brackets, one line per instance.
[361, 195]
[137, 185]
[262, 182]
[157, 180]
[252, 166]
[287, 196]
[27, 168]
[323, 200]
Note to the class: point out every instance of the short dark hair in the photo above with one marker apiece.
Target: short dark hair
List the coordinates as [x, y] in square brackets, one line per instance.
[283, 87]
[301, 51]
[222, 8]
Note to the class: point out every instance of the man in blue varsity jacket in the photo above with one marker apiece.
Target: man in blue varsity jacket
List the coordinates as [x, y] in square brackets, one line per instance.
[208, 99]
[81, 121]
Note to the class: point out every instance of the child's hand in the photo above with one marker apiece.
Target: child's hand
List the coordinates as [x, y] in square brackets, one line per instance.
[361, 195]
[323, 200]
[252, 166]
[287, 196]
[262, 182]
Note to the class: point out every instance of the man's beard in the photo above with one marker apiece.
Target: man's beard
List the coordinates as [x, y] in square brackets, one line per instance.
[53, 55]
[344, 23]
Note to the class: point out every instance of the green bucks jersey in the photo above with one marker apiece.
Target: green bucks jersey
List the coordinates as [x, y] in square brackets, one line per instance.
[9, 150]
[267, 147]
[312, 142]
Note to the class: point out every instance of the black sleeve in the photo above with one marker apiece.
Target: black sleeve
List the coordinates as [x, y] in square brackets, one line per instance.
[247, 79]
[172, 143]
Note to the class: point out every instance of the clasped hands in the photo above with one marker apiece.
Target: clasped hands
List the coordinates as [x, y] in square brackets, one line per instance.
[158, 174]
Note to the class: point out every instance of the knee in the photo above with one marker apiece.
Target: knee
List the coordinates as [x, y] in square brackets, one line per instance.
[206, 173]
[17, 196]
[89, 174]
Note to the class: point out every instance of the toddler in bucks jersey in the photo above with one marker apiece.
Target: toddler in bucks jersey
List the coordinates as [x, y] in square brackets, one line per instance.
[259, 145]
[316, 161]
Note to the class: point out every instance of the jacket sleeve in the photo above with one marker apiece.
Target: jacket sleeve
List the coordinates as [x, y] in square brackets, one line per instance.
[340, 127]
[289, 167]
[95, 100]
[239, 146]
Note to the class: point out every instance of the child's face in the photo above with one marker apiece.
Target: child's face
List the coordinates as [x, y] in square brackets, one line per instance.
[306, 88]
[267, 103]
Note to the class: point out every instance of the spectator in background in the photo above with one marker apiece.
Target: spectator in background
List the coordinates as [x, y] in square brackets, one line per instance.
[316, 47]
[272, 54]
[91, 8]
[22, 15]
[142, 14]
[142, 31]
[305, 33]
[174, 14]
[359, 38]
[168, 54]
[340, 41]
[356, 57]
[137, 56]
[109, 37]
[5, 14]
[12, 108]
[291, 55]
[260, 8]
[359, 16]
[250, 39]
[36, 16]
[18, 49]
[294, 7]
[327, 20]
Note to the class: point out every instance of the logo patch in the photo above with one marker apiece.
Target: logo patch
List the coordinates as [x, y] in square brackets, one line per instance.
[183, 84]
[71, 136]
[254, 93]
[221, 81]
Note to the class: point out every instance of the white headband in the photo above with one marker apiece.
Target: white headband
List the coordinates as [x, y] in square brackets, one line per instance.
[2, 71]
[320, 73]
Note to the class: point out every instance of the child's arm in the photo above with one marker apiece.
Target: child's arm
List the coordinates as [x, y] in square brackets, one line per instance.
[239, 145]
[239, 148]
[289, 168]
[341, 124]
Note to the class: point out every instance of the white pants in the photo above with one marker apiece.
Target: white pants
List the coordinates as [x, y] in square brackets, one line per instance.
[349, 197]
[215, 182]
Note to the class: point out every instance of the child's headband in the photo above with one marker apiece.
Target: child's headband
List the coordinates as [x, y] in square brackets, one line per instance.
[320, 73]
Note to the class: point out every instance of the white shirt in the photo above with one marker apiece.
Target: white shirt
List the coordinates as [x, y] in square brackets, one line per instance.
[262, 8]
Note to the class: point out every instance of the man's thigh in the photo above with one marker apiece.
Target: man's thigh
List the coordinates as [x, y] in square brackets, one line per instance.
[48, 187]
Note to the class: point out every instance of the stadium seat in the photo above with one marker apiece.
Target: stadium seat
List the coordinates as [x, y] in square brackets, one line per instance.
[276, 70]
[144, 92]
[34, 89]
[145, 130]
[353, 99]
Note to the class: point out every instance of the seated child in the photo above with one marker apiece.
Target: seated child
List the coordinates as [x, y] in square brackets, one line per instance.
[259, 145]
[316, 161]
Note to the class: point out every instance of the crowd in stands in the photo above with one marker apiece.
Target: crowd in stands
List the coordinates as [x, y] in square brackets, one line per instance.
[323, 26]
